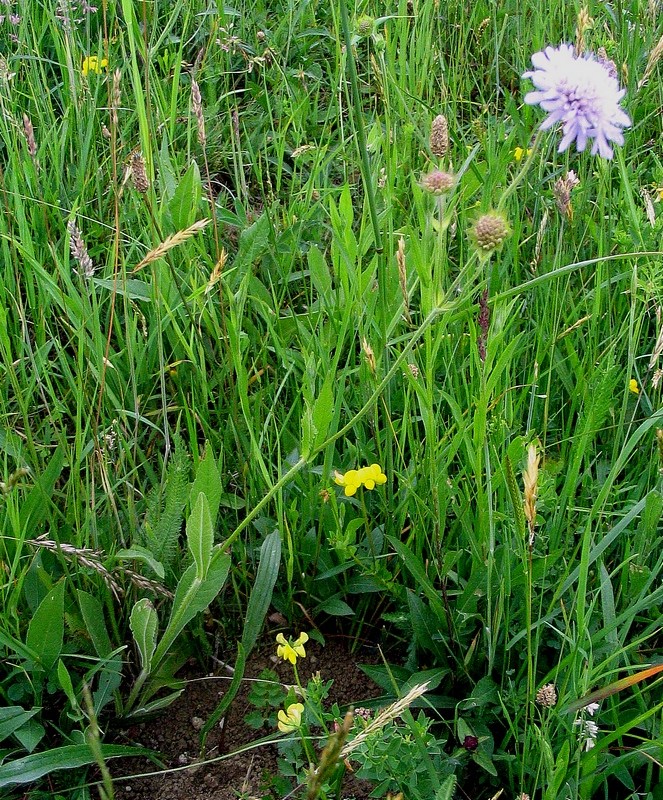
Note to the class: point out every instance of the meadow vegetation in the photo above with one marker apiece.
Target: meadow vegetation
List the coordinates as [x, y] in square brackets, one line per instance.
[301, 313]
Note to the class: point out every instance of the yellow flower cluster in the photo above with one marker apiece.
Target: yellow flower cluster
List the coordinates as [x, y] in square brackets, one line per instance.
[94, 64]
[519, 152]
[291, 718]
[370, 477]
[291, 651]
[633, 386]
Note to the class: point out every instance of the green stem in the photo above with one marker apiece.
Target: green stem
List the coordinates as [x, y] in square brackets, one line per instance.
[368, 405]
[359, 128]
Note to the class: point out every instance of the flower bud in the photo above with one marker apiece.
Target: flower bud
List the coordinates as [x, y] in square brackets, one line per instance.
[438, 182]
[489, 232]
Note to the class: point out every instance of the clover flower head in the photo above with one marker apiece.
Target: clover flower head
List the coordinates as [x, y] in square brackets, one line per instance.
[94, 64]
[582, 93]
[291, 651]
[290, 719]
[370, 477]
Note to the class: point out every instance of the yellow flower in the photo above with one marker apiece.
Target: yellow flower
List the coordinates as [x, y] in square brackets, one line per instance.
[370, 477]
[290, 719]
[633, 386]
[93, 64]
[519, 152]
[291, 651]
[659, 194]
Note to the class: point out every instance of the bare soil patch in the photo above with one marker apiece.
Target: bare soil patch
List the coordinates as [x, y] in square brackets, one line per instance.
[175, 734]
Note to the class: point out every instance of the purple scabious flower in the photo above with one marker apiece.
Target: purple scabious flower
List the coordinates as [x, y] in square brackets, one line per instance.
[582, 94]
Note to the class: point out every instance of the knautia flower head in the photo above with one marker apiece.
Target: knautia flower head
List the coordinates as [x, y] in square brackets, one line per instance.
[489, 232]
[438, 182]
[290, 719]
[582, 94]
[370, 477]
[365, 25]
[289, 650]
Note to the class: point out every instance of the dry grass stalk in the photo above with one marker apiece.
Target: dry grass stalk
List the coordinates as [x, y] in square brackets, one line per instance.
[29, 135]
[116, 97]
[197, 102]
[584, 23]
[172, 241]
[215, 277]
[384, 717]
[652, 61]
[329, 757]
[13, 480]
[92, 559]
[530, 481]
[369, 354]
[79, 250]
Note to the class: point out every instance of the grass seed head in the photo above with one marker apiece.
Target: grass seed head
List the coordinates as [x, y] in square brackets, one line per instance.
[439, 136]
[139, 177]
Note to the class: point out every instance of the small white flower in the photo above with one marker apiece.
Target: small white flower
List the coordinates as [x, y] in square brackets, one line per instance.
[592, 708]
[582, 94]
[588, 732]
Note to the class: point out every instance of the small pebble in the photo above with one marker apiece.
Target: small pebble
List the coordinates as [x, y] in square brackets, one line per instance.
[182, 758]
[197, 723]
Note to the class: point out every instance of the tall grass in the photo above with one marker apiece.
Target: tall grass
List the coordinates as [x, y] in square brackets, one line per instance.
[280, 335]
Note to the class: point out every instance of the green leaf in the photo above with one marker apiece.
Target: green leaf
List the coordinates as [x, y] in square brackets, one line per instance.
[30, 734]
[93, 617]
[200, 536]
[559, 773]
[110, 678]
[144, 624]
[140, 553]
[323, 410]
[131, 288]
[184, 204]
[263, 587]
[157, 705]
[320, 274]
[207, 481]
[335, 607]
[12, 718]
[37, 503]
[31, 768]
[425, 625]
[64, 679]
[229, 696]
[253, 242]
[191, 597]
[446, 790]
[484, 761]
[46, 629]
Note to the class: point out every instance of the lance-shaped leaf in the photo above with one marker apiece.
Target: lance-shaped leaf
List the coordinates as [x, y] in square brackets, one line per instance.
[200, 536]
[144, 624]
[613, 688]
